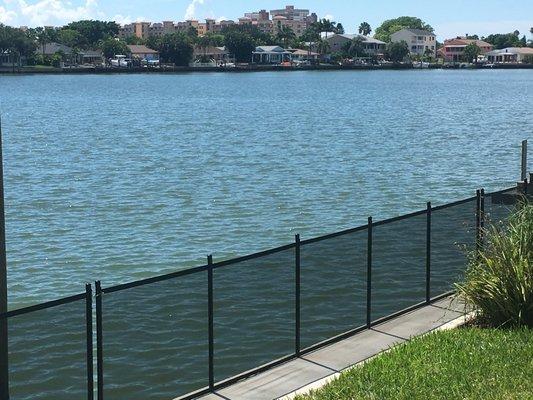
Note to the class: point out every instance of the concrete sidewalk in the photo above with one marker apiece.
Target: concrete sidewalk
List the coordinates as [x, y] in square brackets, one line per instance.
[287, 378]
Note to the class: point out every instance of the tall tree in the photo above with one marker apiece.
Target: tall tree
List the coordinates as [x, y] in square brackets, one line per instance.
[175, 48]
[396, 51]
[365, 29]
[471, 52]
[111, 47]
[339, 29]
[503, 40]
[285, 35]
[94, 31]
[326, 26]
[387, 28]
[355, 47]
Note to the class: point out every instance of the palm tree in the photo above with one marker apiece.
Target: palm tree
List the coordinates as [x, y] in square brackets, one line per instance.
[285, 35]
[323, 47]
[356, 47]
[365, 29]
[326, 26]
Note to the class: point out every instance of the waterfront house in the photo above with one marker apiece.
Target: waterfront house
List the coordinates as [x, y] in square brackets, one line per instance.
[453, 49]
[304, 55]
[271, 55]
[7, 59]
[141, 53]
[68, 56]
[210, 53]
[420, 42]
[372, 47]
[91, 57]
[510, 55]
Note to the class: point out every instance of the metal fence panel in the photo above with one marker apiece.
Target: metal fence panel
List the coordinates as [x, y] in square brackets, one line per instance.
[47, 353]
[453, 233]
[498, 207]
[254, 312]
[333, 288]
[398, 265]
[155, 343]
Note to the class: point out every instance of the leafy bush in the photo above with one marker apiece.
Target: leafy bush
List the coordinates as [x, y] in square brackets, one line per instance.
[499, 279]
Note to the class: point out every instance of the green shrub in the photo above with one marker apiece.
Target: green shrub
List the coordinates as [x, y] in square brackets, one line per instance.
[499, 278]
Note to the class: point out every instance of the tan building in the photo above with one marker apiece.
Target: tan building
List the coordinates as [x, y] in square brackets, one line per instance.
[420, 42]
[142, 53]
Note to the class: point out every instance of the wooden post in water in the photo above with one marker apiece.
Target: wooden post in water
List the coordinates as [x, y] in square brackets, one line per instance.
[524, 161]
[4, 375]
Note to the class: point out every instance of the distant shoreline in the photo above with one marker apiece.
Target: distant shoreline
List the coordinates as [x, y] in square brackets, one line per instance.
[238, 69]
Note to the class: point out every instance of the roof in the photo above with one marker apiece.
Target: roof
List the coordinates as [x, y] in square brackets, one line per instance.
[511, 50]
[459, 42]
[270, 49]
[366, 39]
[91, 53]
[300, 52]
[141, 49]
[419, 32]
[52, 48]
[209, 50]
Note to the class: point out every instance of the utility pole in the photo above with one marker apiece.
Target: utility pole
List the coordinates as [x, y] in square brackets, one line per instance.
[4, 375]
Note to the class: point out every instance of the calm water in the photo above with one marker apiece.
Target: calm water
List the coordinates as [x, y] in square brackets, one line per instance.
[123, 177]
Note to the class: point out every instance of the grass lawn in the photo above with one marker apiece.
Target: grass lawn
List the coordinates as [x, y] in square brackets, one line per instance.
[466, 363]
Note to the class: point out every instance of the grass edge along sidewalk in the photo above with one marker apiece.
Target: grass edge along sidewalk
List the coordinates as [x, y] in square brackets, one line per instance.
[466, 363]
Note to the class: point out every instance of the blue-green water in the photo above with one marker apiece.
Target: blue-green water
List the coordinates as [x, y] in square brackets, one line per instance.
[124, 177]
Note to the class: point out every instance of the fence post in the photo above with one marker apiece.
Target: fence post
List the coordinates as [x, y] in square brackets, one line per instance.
[524, 160]
[297, 296]
[478, 219]
[89, 337]
[369, 275]
[99, 342]
[210, 322]
[482, 217]
[4, 370]
[428, 253]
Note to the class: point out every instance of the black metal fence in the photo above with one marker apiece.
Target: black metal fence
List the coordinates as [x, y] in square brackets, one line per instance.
[196, 330]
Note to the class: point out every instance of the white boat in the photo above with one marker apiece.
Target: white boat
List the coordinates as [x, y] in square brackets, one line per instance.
[421, 65]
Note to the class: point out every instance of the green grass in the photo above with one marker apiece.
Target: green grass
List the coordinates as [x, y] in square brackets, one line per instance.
[466, 363]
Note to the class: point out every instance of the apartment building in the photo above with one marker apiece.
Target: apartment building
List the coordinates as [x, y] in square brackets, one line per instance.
[295, 14]
[420, 41]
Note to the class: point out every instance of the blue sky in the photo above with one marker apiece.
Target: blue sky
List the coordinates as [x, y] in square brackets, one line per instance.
[449, 18]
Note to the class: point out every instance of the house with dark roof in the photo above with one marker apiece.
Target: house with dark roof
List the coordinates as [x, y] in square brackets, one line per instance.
[69, 55]
[271, 55]
[371, 46]
[420, 42]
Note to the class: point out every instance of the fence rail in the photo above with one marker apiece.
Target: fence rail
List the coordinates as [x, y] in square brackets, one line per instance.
[194, 331]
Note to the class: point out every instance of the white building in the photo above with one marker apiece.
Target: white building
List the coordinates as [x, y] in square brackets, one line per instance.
[510, 55]
[418, 40]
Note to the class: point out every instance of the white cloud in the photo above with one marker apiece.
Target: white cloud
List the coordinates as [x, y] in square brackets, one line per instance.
[7, 16]
[48, 12]
[330, 17]
[190, 13]
[126, 19]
